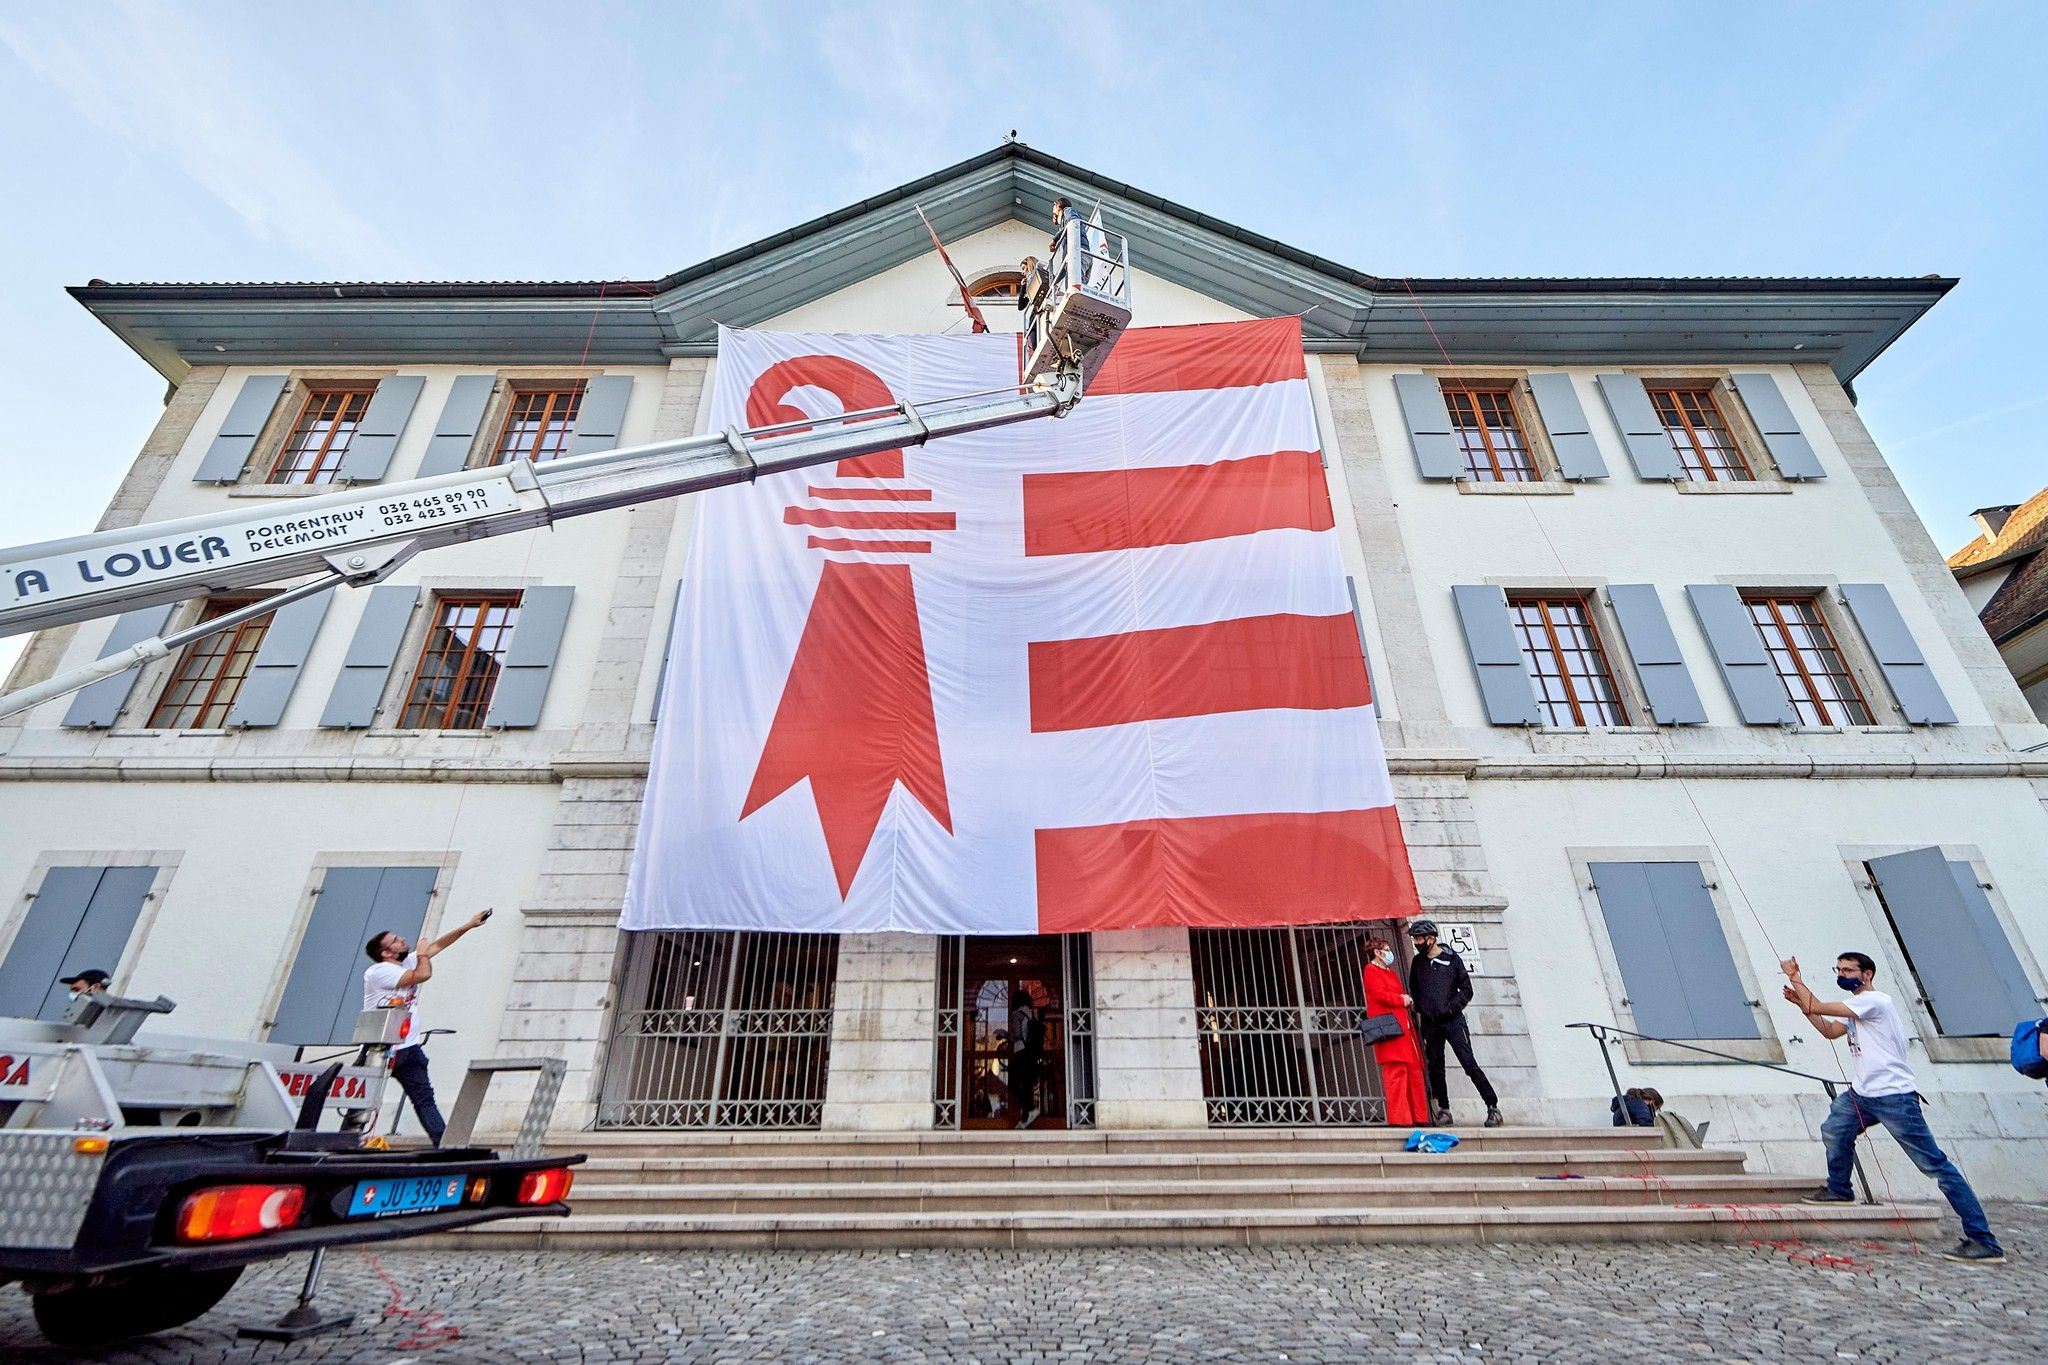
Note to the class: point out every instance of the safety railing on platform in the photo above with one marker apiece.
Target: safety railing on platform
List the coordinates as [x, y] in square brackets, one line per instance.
[1601, 1033]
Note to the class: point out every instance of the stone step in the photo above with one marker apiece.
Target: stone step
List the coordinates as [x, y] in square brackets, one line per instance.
[699, 1142]
[1203, 1227]
[601, 1171]
[1045, 1196]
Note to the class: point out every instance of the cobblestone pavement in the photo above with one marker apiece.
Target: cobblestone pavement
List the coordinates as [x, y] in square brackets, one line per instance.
[1581, 1303]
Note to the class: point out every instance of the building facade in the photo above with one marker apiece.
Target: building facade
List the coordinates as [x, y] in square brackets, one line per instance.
[2004, 574]
[1672, 682]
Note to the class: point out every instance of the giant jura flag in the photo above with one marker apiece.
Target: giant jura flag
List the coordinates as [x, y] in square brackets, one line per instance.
[1084, 673]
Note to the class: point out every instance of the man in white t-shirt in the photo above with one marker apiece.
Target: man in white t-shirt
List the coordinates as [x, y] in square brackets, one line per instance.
[1884, 1092]
[393, 982]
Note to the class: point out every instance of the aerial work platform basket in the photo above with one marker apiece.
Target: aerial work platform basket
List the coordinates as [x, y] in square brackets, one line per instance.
[1086, 304]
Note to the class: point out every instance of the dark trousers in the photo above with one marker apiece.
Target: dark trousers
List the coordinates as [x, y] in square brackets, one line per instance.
[409, 1066]
[1437, 1032]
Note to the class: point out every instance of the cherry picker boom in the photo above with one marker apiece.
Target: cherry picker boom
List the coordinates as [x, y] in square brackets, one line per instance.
[360, 536]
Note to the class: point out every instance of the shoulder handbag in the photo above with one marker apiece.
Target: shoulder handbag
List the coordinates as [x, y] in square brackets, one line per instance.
[1379, 1028]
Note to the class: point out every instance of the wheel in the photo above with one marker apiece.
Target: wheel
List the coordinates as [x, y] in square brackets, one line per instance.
[135, 1306]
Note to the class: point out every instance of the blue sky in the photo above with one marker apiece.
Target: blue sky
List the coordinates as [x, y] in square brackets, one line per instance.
[143, 141]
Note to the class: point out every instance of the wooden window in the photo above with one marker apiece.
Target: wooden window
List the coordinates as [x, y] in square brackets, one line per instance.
[998, 288]
[538, 424]
[210, 672]
[1562, 651]
[320, 437]
[1489, 431]
[458, 669]
[1699, 433]
[1808, 661]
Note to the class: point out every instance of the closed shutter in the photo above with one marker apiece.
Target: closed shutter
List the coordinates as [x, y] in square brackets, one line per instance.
[1358, 620]
[324, 993]
[1429, 426]
[1967, 970]
[1790, 450]
[1739, 652]
[530, 659]
[99, 705]
[275, 670]
[369, 451]
[1496, 656]
[352, 704]
[1898, 656]
[1654, 649]
[81, 918]
[668, 645]
[1649, 448]
[1564, 419]
[251, 410]
[455, 433]
[601, 414]
[1676, 968]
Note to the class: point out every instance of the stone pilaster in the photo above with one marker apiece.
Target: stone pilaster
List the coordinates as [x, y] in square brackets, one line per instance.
[1148, 1065]
[879, 1077]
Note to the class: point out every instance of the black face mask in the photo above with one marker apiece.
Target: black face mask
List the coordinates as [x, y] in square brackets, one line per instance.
[1851, 984]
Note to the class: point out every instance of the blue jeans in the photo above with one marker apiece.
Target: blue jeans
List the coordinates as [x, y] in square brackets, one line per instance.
[1901, 1117]
[409, 1067]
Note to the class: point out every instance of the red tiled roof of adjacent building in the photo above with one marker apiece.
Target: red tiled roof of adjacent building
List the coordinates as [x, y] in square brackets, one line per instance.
[2022, 599]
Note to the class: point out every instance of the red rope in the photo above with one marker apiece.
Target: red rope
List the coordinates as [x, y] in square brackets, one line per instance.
[428, 1329]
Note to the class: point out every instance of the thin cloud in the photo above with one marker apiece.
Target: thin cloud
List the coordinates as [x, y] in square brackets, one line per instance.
[1974, 419]
[149, 74]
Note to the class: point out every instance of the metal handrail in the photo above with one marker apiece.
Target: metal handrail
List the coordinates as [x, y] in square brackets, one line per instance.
[1601, 1033]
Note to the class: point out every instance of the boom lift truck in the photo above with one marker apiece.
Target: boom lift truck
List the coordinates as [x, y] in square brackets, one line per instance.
[137, 1179]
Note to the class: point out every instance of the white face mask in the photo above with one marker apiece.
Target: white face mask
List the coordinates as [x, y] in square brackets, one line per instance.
[1386, 957]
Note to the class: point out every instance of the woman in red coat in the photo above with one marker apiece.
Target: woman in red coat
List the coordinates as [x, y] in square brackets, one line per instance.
[1400, 1061]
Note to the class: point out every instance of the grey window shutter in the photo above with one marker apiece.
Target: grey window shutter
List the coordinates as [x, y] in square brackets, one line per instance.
[99, 705]
[231, 449]
[352, 704]
[1496, 656]
[369, 452]
[1429, 426]
[601, 413]
[1950, 951]
[1358, 620]
[1739, 651]
[1571, 435]
[1661, 668]
[455, 433]
[1898, 656]
[1790, 450]
[1676, 968]
[668, 645]
[2020, 1000]
[1649, 448]
[81, 917]
[529, 660]
[325, 990]
[275, 671]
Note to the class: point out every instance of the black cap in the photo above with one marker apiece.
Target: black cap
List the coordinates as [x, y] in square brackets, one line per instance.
[1422, 928]
[91, 976]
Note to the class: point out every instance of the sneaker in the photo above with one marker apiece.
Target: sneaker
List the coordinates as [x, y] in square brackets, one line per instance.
[1493, 1118]
[1440, 1118]
[1824, 1195]
[1976, 1253]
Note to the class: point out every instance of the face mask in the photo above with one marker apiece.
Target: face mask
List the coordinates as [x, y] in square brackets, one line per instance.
[1386, 958]
[1852, 984]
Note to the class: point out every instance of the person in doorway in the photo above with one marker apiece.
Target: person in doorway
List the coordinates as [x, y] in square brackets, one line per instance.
[1442, 988]
[1399, 1059]
[1027, 1048]
[1884, 1091]
[91, 981]
[393, 981]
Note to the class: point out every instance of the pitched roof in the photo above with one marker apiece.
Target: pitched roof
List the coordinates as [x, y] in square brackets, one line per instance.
[1845, 322]
[2022, 600]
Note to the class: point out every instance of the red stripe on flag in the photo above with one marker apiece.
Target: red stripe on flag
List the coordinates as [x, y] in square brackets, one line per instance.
[1122, 509]
[892, 547]
[1225, 871]
[874, 494]
[1253, 663]
[868, 521]
[1208, 355]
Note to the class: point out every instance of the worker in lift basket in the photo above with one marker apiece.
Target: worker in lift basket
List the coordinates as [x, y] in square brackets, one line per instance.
[1885, 1092]
[393, 982]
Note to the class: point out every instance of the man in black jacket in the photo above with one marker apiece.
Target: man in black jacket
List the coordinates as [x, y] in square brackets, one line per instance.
[1441, 987]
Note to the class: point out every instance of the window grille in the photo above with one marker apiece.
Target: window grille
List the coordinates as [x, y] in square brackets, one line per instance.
[321, 436]
[538, 424]
[1489, 432]
[459, 664]
[210, 672]
[1699, 433]
[1561, 649]
[1807, 660]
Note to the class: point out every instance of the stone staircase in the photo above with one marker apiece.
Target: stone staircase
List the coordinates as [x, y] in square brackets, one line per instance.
[1181, 1188]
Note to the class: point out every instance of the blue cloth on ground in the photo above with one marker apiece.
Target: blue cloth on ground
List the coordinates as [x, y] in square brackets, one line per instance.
[1434, 1143]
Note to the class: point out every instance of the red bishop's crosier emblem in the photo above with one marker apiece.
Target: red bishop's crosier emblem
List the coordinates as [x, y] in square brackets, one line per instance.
[856, 712]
